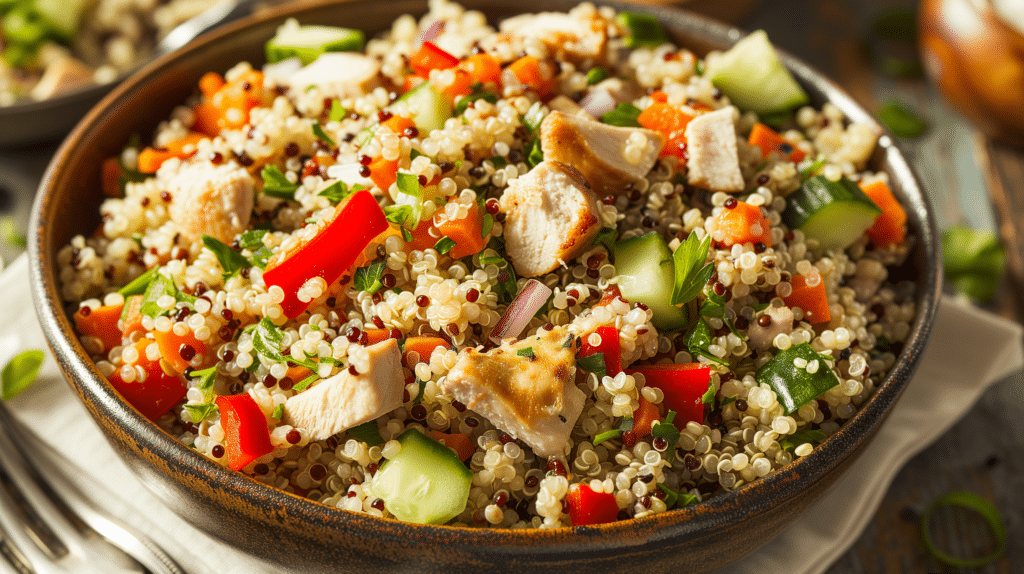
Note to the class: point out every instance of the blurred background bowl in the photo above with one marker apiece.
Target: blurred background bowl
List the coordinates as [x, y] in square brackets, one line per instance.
[976, 57]
[311, 537]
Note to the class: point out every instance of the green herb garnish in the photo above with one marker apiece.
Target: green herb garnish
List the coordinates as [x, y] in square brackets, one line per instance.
[276, 184]
[278, 412]
[318, 131]
[230, 260]
[593, 364]
[139, 285]
[666, 429]
[368, 278]
[624, 115]
[337, 111]
[526, 352]
[338, 191]
[691, 271]
[199, 413]
[444, 245]
[478, 93]
[798, 438]
[607, 435]
[596, 75]
[367, 432]
[974, 261]
[20, 372]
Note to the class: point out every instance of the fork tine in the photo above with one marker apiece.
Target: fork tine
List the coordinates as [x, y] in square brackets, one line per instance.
[22, 549]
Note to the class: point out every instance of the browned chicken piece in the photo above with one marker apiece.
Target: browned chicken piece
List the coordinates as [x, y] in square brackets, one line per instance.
[551, 216]
[62, 75]
[762, 338]
[346, 400]
[568, 107]
[714, 157]
[571, 38]
[211, 200]
[609, 157]
[524, 388]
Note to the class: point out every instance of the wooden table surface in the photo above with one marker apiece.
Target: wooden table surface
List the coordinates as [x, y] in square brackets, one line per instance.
[984, 452]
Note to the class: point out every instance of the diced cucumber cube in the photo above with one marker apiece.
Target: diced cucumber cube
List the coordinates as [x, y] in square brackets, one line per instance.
[429, 108]
[424, 483]
[753, 77]
[307, 43]
[647, 275]
[835, 213]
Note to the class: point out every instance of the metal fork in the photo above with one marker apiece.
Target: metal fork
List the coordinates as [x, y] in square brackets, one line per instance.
[49, 524]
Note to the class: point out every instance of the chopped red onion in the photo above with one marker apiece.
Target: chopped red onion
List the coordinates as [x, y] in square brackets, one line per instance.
[528, 301]
[598, 103]
[431, 33]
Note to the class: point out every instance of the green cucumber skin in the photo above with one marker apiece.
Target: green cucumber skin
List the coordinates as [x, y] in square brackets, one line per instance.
[795, 387]
[292, 46]
[835, 213]
[429, 108]
[647, 275]
[424, 483]
[755, 79]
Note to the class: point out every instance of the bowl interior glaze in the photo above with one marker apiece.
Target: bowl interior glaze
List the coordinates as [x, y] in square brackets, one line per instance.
[303, 534]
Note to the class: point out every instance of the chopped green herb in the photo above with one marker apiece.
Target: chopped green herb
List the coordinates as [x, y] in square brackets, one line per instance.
[671, 496]
[419, 393]
[691, 271]
[252, 238]
[158, 287]
[444, 245]
[709, 395]
[278, 412]
[643, 29]
[230, 260]
[666, 429]
[304, 383]
[486, 225]
[407, 236]
[789, 375]
[20, 372]
[606, 236]
[526, 352]
[698, 67]
[534, 153]
[368, 278]
[974, 261]
[367, 432]
[139, 285]
[267, 338]
[410, 193]
[337, 111]
[901, 121]
[534, 116]
[206, 379]
[596, 75]
[726, 401]
[199, 413]
[698, 341]
[497, 161]
[624, 115]
[478, 93]
[607, 435]
[261, 256]
[397, 214]
[318, 131]
[276, 184]
[593, 364]
[338, 191]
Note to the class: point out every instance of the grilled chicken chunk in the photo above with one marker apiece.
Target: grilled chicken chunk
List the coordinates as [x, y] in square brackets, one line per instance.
[609, 157]
[524, 388]
[346, 400]
[569, 37]
[714, 157]
[211, 200]
[338, 74]
[551, 216]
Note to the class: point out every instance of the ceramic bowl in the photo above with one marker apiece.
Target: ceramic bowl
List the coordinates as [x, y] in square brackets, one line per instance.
[312, 537]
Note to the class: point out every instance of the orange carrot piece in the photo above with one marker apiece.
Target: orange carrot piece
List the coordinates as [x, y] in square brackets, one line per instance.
[131, 317]
[890, 228]
[423, 346]
[743, 223]
[110, 177]
[191, 139]
[461, 84]
[150, 159]
[172, 346]
[100, 323]
[659, 96]
[211, 83]
[812, 299]
[398, 124]
[383, 172]
[421, 237]
[670, 122]
[532, 74]
[375, 336]
[467, 233]
[483, 68]
[456, 441]
[771, 142]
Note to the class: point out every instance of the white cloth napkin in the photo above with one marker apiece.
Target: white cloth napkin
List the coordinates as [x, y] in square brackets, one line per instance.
[951, 377]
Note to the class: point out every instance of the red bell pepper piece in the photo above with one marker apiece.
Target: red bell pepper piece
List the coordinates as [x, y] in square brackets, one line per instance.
[156, 394]
[246, 436]
[588, 507]
[683, 385]
[430, 57]
[329, 253]
[609, 347]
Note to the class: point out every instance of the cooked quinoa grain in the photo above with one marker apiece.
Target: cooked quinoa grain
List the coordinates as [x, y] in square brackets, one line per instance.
[322, 265]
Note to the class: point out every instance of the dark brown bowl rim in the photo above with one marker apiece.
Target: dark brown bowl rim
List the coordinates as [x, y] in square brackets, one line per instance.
[694, 521]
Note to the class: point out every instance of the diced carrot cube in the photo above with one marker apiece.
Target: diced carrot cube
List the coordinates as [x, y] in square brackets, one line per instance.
[465, 232]
[890, 228]
[383, 172]
[811, 298]
[743, 223]
[178, 350]
[771, 142]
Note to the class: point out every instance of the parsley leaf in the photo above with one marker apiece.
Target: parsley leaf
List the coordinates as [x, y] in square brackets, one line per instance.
[666, 429]
[596, 75]
[534, 153]
[811, 170]
[139, 285]
[477, 93]
[206, 379]
[368, 278]
[278, 412]
[267, 338]
[338, 191]
[709, 395]
[252, 238]
[410, 194]
[444, 245]
[20, 372]
[318, 131]
[606, 236]
[304, 383]
[526, 352]
[486, 225]
[199, 413]
[230, 260]
[276, 184]
[593, 364]
[367, 432]
[534, 116]
[699, 339]
[691, 273]
[624, 115]
[901, 121]
[800, 437]
[158, 287]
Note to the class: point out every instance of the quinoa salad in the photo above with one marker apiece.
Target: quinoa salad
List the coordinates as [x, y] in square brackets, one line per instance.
[553, 271]
[49, 47]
